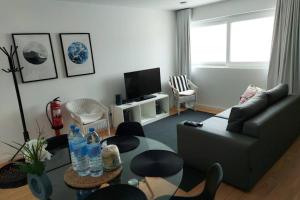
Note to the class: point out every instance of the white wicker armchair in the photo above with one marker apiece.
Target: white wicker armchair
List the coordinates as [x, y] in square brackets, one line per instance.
[184, 96]
[87, 113]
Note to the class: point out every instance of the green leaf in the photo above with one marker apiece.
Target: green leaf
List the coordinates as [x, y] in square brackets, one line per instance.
[28, 151]
[10, 145]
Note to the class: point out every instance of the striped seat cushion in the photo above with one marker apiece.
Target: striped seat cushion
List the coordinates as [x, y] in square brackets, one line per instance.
[179, 82]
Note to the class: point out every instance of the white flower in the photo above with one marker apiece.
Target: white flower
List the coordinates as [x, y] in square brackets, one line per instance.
[42, 154]
[45, 155]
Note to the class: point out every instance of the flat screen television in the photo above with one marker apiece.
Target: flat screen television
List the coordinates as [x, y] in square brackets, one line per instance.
[140, 85]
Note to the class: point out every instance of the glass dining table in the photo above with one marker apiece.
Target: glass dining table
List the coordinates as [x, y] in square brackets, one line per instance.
[60, 162]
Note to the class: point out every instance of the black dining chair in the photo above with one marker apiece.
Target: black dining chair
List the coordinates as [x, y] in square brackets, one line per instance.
[57, 142]
[214, 178]
[130, 128]
[57, 146]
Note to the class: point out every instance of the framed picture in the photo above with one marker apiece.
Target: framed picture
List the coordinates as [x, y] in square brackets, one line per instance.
[78, 54]
[35, 56]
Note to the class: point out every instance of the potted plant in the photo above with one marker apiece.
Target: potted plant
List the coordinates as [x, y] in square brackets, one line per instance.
[35, 153]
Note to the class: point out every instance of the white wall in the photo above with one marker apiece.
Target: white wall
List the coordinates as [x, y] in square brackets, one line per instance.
[123, 39]
[222, 87]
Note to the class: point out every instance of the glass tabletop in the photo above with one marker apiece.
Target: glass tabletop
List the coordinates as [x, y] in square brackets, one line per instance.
[61, 160]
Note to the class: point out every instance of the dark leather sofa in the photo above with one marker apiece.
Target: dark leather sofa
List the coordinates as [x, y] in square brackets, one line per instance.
[245, 156]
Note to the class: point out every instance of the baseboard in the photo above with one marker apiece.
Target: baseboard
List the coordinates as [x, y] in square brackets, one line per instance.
[199, 107]
[209, 109]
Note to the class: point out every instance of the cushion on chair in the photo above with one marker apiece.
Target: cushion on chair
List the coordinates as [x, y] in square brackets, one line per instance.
[179, 82]
[241, 113]
[187, 92]
[89, 118]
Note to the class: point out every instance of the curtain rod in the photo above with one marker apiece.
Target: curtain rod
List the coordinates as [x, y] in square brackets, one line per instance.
[269, 10]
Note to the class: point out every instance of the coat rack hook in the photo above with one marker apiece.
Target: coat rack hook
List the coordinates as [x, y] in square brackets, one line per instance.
[6, 70]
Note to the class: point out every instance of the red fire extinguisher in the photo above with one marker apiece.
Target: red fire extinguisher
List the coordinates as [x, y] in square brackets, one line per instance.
[56, 120]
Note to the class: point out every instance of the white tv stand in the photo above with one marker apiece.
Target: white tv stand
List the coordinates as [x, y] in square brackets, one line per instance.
[142, 111]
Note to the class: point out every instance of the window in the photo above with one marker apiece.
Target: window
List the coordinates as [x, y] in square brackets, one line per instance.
[208, 44]
[236, 41]
[250, 40]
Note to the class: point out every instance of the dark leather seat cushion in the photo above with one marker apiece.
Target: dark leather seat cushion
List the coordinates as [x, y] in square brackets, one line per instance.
[241, 113]
[215, 127]
[277, 93]
[225, 114]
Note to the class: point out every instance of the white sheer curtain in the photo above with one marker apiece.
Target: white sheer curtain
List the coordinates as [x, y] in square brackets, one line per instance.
[183, 52]
[285, 57]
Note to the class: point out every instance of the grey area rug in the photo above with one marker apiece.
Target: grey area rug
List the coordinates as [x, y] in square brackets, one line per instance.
[165, 131]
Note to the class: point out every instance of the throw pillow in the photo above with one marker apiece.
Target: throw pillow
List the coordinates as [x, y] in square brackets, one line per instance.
[241, 113]
[179, 82]
[250, 92]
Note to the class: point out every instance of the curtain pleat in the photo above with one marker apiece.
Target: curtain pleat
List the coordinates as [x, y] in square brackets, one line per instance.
[183, 52]
[285, 57]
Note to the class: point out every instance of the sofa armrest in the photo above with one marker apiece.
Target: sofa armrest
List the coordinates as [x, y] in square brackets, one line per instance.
[276, 128]
[200, 147]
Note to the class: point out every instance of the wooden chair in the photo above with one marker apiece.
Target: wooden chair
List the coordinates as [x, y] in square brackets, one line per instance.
[184, 90]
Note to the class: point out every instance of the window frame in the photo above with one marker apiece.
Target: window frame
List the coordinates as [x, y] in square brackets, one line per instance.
[228, 20]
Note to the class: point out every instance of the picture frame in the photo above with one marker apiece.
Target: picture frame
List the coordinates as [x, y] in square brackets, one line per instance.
[77, 53]
[35, 56]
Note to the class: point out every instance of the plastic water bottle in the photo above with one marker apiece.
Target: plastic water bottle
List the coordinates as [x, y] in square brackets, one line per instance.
[71, 148]
[94, 153]
[80, 151]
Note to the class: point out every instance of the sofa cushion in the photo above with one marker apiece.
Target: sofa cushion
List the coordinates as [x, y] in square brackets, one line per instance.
[225, 114]
[240, 113]
[283, 111]
[216, 128]
[277, 93]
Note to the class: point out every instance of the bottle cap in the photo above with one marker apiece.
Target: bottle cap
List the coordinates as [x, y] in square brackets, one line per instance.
[72, 127]
[91, 129]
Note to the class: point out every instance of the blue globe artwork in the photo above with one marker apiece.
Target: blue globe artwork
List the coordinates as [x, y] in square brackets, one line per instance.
[78, 53]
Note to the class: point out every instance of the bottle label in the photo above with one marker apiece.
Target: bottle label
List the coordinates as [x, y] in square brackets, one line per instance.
[80, 149]
[83, 149]
[94, 150]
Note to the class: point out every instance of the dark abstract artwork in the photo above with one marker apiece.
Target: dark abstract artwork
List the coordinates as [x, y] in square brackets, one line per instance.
[78, 55]
[35, 53]
[35, 56]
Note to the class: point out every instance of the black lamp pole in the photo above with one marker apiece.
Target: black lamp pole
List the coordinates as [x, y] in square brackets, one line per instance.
[12, 69]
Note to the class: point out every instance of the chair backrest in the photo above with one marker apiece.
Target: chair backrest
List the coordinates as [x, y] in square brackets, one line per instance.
[214, 178]
[179, 82]
[80, 106]
[57, 142]
[130, 128]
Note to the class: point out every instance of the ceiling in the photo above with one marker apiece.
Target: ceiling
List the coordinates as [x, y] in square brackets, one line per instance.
[154, 4]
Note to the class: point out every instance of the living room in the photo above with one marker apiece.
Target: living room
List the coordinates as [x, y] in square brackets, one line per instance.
[228, 50]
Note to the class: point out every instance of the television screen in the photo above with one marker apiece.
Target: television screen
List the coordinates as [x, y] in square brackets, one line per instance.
[142, 83]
